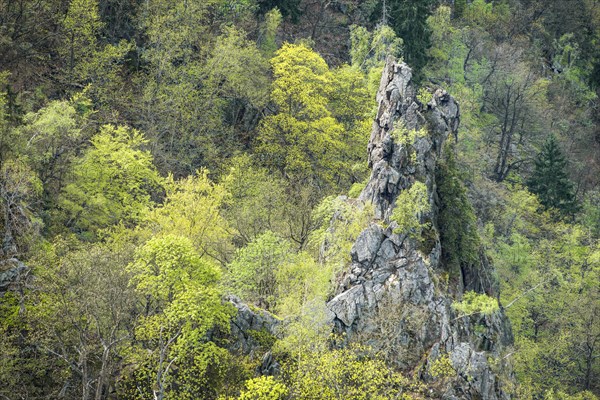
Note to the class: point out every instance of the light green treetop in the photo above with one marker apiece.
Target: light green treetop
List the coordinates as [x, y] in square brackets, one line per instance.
[111, 182]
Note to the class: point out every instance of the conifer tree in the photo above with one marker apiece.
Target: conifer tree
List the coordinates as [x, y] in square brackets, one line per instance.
[549, 180]
[408, 18]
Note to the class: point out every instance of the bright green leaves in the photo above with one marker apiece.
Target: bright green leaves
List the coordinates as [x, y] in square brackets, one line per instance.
[348, 373]
[448, 51]
[301, 150]
[53, 135]
[548, 271]
[476, 304]
[112, 182]
[442, 368]
[350, 102]
[82, 312]
[269, 273]
[318, 129]
[20, 188]
[268, 44]
[88, 60]
[174, 29]
[263, 388]
[257, 200]
[192, 209]
[179, 286]
[254, 272]
[201, 86]
[370, 49]
[339, 222]
[50, 129]
[237, 69]
[407, 138]
[302, 82]
[182, 303]
[411, 205]
[81, 24]
[165, 265]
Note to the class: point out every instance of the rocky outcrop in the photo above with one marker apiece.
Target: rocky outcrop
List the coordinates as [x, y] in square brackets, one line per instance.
[11, 273]
[253, 331]
[396, 296]
[250, 327]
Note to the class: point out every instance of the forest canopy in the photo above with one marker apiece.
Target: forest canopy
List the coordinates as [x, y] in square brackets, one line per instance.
[159, 158]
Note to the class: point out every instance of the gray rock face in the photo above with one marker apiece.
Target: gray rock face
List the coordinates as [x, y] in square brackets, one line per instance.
[393, 296]
[252, 333]
[250, 326]
[392, 169]
[11, 272]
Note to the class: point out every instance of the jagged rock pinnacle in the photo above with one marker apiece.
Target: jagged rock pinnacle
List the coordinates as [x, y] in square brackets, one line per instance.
[392, 296]
[398, 104]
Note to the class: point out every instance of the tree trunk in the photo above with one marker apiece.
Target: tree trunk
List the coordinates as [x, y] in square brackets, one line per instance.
[102, 375]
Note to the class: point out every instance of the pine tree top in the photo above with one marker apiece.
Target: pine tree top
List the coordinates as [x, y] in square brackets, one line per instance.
[549, 180]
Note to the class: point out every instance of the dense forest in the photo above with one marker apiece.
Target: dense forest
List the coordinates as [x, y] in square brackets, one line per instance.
[170, 167]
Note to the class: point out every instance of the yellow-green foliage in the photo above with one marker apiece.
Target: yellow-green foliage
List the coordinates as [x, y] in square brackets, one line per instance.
[263, 337]
[177, 282]
[302, 282]
[258, 200]
[193, 209]
[320, 126]
[20, 185]
[407, 137]
[253, 274]
[82, 24]
[263, 388]
[424, 95]
[442, 368]
[369, 49]
[356, 189]
[547, 270]
[474, 303]
[269, 273]
[269, 29]
[52, 130]
[339, 223]
[560, 395]
[301, 149]
[348, 373]
[302, 81]
[112, 181]
[238, 69]
[410, 205]
[182, 303]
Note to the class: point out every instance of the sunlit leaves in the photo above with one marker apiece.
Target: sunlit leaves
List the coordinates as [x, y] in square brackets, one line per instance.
[411, 204]
[182, 303]
[349, 373]
[319, 125]
[263, 388]
[112, 181]
[474, 303]
[302, 82]
[192, 209]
